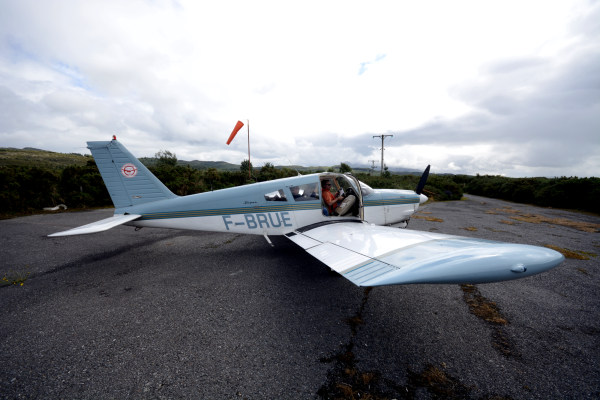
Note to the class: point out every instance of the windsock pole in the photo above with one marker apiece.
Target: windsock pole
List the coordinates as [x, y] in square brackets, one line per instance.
[249, 165]
[237, 127]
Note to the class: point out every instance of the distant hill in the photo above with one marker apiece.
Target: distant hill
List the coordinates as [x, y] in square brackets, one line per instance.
[30, 157]
[49, 159]
[196, 164]
[225, 166]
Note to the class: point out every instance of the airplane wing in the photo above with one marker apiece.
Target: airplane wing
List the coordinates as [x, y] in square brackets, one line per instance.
[99, 226]
[370, 255]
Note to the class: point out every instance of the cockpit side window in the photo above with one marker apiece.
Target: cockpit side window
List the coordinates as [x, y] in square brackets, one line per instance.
[306, 192]
[277, 195]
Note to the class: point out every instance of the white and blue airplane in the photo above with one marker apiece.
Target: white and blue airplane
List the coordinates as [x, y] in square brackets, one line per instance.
[358, 238]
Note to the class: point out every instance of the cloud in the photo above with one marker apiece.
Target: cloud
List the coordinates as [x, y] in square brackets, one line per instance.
[364, 65]
[537, 114]
[316, 81]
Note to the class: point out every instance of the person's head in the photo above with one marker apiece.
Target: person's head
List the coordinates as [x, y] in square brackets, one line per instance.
[326, 184]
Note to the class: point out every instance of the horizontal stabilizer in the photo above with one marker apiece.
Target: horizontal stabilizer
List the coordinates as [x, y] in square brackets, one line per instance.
[99, 226]
[369, 255]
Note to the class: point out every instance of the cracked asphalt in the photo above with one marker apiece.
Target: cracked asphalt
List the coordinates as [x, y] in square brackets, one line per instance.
[181, 314]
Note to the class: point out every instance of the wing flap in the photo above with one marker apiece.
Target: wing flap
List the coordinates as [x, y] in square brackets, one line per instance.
[98, 226]
[371, 255]
[354, 266]
[336, 257]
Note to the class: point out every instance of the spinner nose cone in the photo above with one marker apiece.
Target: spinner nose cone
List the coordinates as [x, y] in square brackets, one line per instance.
[423, 198]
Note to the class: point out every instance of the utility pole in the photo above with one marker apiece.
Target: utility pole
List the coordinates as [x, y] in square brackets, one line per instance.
[372, 166]
[382, 139]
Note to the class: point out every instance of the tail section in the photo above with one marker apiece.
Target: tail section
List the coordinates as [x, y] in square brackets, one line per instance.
[128, 181]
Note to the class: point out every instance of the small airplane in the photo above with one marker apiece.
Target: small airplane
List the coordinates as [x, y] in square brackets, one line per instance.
[356, 235]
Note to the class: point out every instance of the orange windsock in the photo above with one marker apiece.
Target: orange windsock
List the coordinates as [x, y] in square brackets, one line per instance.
[238, 126]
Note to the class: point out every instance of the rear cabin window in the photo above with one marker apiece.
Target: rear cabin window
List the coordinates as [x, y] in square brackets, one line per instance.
[277, 195]
[306, 192]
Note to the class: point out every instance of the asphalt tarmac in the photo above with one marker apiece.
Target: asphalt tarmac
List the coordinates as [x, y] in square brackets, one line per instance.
[182, 314]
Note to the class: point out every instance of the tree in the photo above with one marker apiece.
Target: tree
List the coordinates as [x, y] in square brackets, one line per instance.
[213, 178]
[268, 172]
[83, 186]
[386, 172]
[166, 159]
[345, 168]
[244, 166]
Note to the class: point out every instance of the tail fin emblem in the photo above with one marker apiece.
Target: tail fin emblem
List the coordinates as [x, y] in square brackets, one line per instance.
[129, 170]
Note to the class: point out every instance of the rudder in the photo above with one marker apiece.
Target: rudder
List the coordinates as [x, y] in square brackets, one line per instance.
[128, 181]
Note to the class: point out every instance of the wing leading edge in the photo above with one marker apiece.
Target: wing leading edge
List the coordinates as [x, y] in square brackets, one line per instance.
[370, 255]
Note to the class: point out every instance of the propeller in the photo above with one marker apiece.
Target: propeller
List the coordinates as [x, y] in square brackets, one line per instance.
[422, 181]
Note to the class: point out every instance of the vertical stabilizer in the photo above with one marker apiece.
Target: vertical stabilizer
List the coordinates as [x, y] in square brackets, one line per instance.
[128, 181]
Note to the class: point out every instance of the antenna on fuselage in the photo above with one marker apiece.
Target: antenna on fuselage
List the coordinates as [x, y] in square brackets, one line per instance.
[292, 165]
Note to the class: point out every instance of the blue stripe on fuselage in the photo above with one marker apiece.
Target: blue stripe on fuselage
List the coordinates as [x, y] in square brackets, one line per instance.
[391, 201]
[230, 211]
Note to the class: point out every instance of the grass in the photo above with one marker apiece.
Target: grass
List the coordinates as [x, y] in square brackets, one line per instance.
[583, 271]
[438, 383]
[482, 307]
[15, 278]
[504, 221]
[428, 218]
[538, 219]
[489, 311]
[573, 254]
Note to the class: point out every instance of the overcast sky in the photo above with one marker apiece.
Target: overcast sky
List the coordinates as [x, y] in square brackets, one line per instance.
[490, 87]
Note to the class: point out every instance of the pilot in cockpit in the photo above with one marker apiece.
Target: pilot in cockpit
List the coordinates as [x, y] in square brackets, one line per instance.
[296, 192]
[331, 200]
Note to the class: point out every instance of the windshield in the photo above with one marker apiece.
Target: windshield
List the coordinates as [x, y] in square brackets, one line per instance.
[345, 183]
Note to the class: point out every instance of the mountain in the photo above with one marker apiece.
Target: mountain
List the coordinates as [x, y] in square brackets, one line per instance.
[49, 159]
[196, 164]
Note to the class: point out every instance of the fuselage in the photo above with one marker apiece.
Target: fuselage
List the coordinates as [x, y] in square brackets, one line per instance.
[276, 207]
[303, 209]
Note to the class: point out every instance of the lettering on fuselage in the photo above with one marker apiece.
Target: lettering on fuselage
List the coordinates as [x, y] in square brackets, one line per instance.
[258, 221]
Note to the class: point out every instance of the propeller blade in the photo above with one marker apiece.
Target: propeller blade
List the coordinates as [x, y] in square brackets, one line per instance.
[422, 181]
